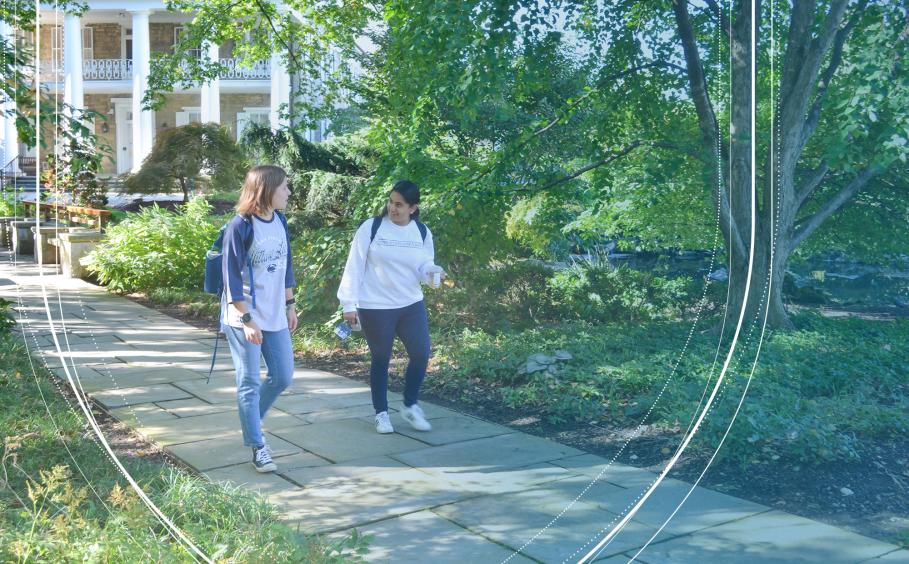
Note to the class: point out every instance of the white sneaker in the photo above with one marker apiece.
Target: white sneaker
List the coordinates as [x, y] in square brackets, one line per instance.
[383, 423]
[415, 416]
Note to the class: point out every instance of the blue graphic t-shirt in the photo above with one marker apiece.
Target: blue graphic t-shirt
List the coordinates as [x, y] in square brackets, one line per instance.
[269, 256]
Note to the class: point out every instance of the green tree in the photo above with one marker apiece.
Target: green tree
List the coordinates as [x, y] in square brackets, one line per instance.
[17, 67]
[639, 115]
[181, 154]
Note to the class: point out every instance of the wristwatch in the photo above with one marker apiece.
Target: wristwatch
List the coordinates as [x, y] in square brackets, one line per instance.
[246, 318]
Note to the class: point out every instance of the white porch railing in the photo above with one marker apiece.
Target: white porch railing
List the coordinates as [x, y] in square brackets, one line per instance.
[261, 70]
[107, 69]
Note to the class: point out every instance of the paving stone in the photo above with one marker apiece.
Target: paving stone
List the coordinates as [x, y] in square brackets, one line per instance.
[340, 502]
[221, 389]
[125, 376]
[298, 461]
[323, 400]
[505, 451]
[228, 451]
[138, 415]
[892, 557]
[601, 468]
[89, 380]
[703, 508]
[245, 477]
[773, 537]
[195, 407]
[216, 425]
[347, 439]
[120, 397]
[500, 480]
[514, 519]
[447, 430]
[343, 471]
[198, 361]
[403, 539]
[307, 380]
[365, 412]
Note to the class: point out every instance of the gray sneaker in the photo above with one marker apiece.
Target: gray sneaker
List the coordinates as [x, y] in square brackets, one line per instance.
[262, 460]
[415, 416]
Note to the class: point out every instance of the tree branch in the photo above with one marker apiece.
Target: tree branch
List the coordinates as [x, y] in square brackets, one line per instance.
[718, 14]
[613, 157]
[707, 120]
[808, 225]
[810, 184]
[836, 58]
[555, 121]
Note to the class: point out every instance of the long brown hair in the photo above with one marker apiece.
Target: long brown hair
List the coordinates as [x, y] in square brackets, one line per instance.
[259, 188]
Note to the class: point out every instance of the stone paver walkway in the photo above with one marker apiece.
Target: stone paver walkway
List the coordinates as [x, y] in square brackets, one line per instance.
[469, 491]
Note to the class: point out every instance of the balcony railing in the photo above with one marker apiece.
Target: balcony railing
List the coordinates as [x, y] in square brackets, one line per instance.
[92, 69]
[107, 69]
[261, 70]
[122, 69]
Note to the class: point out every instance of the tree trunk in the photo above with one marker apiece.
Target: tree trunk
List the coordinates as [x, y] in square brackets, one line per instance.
[765, 294]
[184, 189]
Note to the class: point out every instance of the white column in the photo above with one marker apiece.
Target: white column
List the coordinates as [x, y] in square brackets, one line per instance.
[280, 91]
[211, 91]
[8, 115]
[143, 121]
[73, 92]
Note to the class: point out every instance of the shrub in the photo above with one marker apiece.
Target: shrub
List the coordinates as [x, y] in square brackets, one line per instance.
[601, 293]
[319, 256]
[10, 206]
[497, 297]
[537, 222]
[182, 153]
[323, 197]
[6, 319]
[155, 248]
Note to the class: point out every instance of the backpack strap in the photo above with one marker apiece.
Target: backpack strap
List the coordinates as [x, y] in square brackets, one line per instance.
[422, 229]
[250, 237]
[377, 221]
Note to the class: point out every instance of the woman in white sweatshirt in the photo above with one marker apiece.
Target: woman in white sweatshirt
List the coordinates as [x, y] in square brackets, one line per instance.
[390, 257]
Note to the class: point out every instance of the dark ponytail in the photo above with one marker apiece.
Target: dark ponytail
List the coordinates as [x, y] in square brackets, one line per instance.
[411, 194]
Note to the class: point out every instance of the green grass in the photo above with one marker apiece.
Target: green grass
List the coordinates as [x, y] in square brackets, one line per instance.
[816, 393]
[61, 499]
[232, 195]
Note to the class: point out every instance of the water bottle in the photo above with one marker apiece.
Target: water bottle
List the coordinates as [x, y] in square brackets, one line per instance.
[343, 330]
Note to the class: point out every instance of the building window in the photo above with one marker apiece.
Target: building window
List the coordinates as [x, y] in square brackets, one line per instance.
[88, 43]
[260, 116]
[57, 43]
[179, 31]
[189, 115]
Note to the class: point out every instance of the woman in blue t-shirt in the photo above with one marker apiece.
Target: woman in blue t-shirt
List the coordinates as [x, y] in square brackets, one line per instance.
[257, 311]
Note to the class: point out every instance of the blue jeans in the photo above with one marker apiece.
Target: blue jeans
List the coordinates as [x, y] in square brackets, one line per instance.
[411, 325]
[254, 395]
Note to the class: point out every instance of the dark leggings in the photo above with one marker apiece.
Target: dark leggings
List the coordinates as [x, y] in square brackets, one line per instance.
[380, 326]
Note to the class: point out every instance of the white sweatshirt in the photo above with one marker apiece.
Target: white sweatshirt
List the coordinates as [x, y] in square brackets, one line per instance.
[386, 274]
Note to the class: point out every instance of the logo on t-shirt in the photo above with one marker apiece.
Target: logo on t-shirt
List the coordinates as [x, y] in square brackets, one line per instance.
[272, 268]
